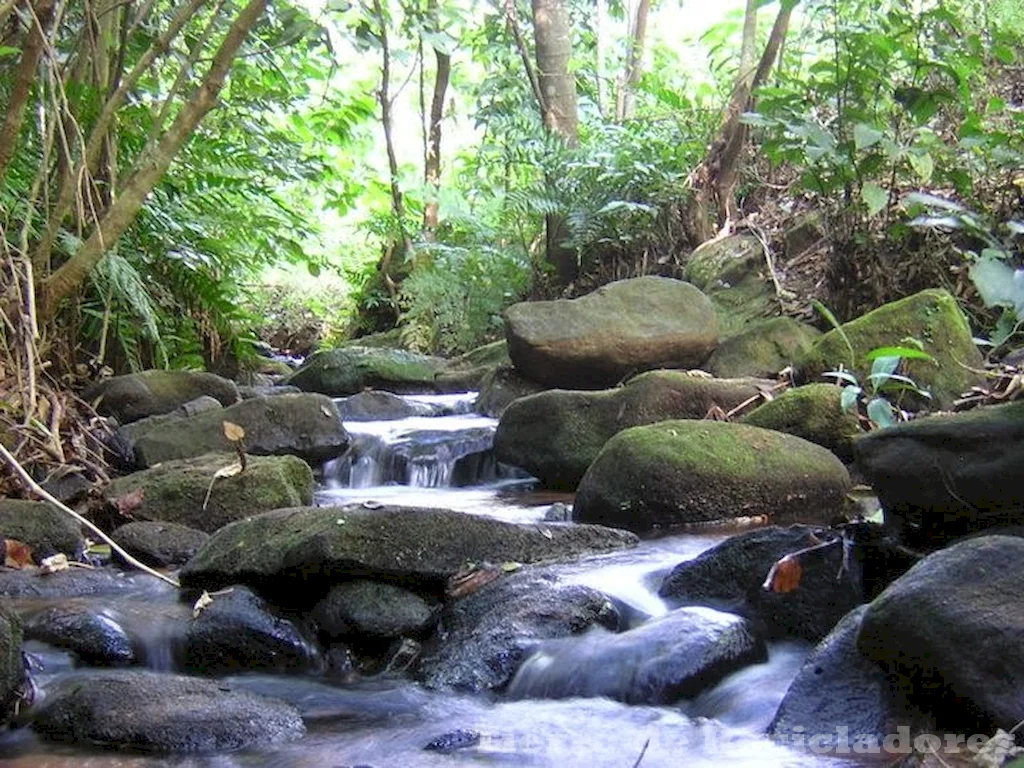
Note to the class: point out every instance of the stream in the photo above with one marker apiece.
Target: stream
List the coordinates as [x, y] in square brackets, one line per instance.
[444, 460]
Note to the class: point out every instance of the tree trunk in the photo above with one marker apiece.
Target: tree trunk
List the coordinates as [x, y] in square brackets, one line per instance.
[625, 97]
[432, 160]
[557, 87]
[150, 168]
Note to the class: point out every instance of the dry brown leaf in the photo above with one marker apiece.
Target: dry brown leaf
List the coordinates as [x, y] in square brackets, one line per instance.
[233, 432]
[201, 604]
[785, 575]
[54, 563]
[229, 471]
[129, 502]
[17, 554]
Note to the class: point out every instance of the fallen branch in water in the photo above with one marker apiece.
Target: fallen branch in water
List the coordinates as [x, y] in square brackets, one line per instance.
[39, 491]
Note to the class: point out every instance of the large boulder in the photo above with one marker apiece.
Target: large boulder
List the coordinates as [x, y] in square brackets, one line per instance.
[681, 472]
[733, 274]
[952, 627]
[305, 425]
[813, 412]
[941, 477]
[932, 318]
[621, 329]
[348, 370]
[502, 387]
[762, 349]
[556, 435]
[42, 526]
[141, 710]
[186, 491]
[12, 668]
[485, 636]
[149, 393]
[373, 405]
[675, 656]
[318, 546]
[730, 576]
[840, 699]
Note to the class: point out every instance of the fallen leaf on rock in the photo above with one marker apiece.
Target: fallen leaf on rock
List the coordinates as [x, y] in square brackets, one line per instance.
[229, 471]
[201, 604]
[785, 575]
[233, 432]
[17, 554]
[129, 502]
[54, 563]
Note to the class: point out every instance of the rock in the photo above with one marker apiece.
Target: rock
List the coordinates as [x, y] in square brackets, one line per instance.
[318, 546]
[11, 666]
[239, 632]
[372, 405]
[373, 608]
[135, 709]
[500, 388]
[347, 370]
[74, 582]
[556, 435]
[306, 425]
[813, 412]
[453, 741]
[621, 329]
[733, 274]
[675, 656]
[92, 635]
[268, 390]
[840, 698]
[558, 513]
[149, 393]
[730, 575]
[485, 636]
[931, 317]
[159, 544]
[942, 477]
[175, 490]
[42, 526]
[680, 472]
[465, 372]
[951, 626]
[762, 349]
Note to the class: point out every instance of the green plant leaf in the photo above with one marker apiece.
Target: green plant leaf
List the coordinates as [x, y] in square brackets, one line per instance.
[875, 197]
[848, 398]
[864, 136]
[846, 376]
[882, 368]
[909, 353]
[6, 50]
[923, 165]
[880, 412]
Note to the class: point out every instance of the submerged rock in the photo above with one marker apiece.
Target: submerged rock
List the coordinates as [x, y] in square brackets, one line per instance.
[621, 329]
[90, 633]
[42, 526]
[74, 582]
[149, 393]
[671, 657]
[680, 472]
[134, 709]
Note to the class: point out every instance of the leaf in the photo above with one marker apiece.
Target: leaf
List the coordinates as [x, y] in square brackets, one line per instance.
[882, 368]
[846, 376]
[201, 604]
[54, 563]
[827, 314]
[785, 575]
[910, 353]
[130, 502]
[880, 412]
[233, 432]
[848, 398]
[6, 50]
[864, 136]
[17, 554]
[229, 471]
[923, 165]
[875, 197]
[933, 201]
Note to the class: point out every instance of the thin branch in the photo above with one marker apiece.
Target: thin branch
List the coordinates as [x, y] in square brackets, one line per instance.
[512, 21]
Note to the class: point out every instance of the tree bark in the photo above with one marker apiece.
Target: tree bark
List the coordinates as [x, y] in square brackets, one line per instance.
[626, 96]
[150, 168]
[432, 161]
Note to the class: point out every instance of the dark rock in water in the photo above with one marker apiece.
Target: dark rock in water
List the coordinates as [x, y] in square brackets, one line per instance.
[305, 425]
[576, 425]
[813, 412]
[347, 370]
[238, 631]
[942, 477]
[91, 634]
[621, 329]
[373, 608]
[558, 513]
[316, 547]
[134, 709]
[952, 627]
[730, 576]
[74, 582]
[149, 393]
[675, 473]
[42, 526]
[841, 698]
[11, 667]
[500, 388]
[485, 636]
[674, 656]
[185, 491]
[159, 544]
[379, 406]
[453, 741]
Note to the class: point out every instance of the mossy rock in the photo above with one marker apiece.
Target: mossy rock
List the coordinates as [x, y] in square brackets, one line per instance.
[174, 491]
[732, 273]
[502, 387]
[42, 526]
[149, 393]
[813, 412]
[556, 435]
[381, 340]
[347, 370]
[159, 544]
[682, 472]
[11, 666]
[931, 317]
[466, 372]
[762, 349]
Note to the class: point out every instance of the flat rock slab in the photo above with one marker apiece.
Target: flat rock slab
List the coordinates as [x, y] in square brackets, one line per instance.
[133, 709]
[138, 395]
[318, 546]
[619, 330]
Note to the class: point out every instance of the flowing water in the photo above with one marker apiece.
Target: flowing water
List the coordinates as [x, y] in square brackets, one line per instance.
[446, 461]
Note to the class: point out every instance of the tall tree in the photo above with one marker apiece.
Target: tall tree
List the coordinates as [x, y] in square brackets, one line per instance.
[432, 154]
[630, 77]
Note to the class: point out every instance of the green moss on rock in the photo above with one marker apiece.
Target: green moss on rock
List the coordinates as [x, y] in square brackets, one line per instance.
[11, 667]
[932, 317]
[813, 412]
[762, 349]
[348, 370]
[681, 472]
[138, 395]
[42, 526]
